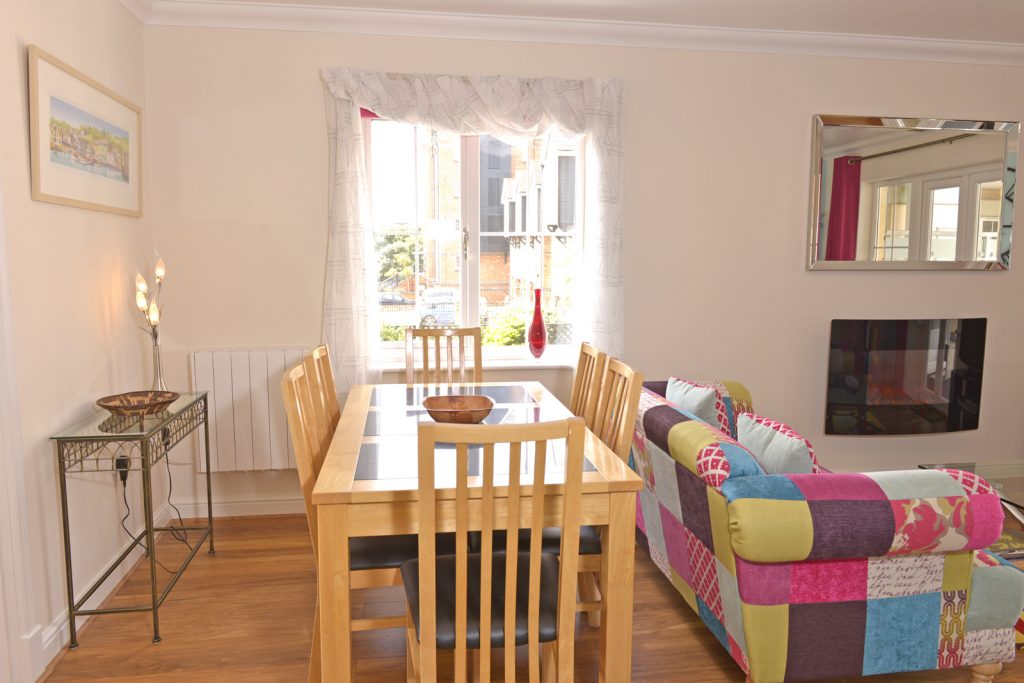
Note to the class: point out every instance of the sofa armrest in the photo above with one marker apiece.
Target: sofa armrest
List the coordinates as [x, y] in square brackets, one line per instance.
[797, 517]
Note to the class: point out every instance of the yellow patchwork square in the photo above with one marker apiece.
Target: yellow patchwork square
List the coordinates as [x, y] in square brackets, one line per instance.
[684, 590]
[720, 530]
[956, 574]
[687, 439]
[766, 630]
[771, 530]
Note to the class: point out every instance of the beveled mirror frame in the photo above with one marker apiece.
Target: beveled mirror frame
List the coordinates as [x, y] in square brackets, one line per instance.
[1011, 155]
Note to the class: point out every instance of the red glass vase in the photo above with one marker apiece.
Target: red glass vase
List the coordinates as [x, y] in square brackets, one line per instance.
[537, 337]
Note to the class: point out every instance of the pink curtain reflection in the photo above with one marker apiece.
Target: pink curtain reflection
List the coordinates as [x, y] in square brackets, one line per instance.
[841, 243]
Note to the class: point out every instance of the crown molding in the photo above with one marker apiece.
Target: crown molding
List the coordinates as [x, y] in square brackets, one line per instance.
[140, 8]
[281, 17]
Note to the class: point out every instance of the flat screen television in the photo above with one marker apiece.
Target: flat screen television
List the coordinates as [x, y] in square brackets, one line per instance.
[904, 376]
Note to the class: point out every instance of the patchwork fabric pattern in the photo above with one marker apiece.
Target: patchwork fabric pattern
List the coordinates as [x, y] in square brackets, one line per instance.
[819, 575]
[792, 446]
[971, 482]
[931, 524]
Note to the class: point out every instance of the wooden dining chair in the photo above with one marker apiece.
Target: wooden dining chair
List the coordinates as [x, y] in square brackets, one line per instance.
[496, 598]
[586, 384]
[328, 390]
[373, 562]
[449, 349]
[617, 405]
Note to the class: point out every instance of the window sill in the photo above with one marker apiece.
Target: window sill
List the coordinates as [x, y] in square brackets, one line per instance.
[552, 359]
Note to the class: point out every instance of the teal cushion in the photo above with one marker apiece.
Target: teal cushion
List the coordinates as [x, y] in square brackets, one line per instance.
[777, 448]
[696, 399]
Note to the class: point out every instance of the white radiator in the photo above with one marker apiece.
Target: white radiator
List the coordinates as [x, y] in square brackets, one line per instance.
[248, 426]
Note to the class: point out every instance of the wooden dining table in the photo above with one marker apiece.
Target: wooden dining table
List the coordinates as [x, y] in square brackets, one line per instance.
[368, 487]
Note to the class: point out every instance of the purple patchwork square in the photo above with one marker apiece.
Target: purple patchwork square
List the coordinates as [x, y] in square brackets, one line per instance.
[851, 528]
[693, 501]
[763, 584]
[830, 581]
[675, 544]
[846, 486]
[826, 640]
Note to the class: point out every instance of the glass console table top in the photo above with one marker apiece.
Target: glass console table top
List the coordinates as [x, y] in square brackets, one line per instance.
[1007, 478]
[106, 426]
[389, 446]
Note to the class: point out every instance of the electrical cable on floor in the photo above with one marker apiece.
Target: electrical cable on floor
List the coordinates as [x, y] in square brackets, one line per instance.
[179, 534]
[128, 512]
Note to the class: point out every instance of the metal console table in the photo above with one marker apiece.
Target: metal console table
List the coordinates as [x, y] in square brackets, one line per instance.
[116, 443]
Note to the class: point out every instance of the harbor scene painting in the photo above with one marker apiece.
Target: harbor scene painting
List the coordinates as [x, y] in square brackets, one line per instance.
[87, 143]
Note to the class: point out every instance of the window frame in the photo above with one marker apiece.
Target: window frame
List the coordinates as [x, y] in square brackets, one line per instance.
[919, 210]
[392, 354]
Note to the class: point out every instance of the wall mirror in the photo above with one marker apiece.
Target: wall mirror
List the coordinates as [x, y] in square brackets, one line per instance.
[911, 194]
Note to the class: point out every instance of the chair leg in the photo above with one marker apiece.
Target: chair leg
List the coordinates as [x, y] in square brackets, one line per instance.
[589, 592]
[412, 649]
[984, 673]
[549, 662]
[314, 654]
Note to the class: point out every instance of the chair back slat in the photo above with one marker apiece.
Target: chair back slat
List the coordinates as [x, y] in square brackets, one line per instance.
[328, 389]
[461, 553]
[451, 362]
[515, 464]
[586, 384]
[536, 550]
[617, 406]
[486, 519]
[486, 550]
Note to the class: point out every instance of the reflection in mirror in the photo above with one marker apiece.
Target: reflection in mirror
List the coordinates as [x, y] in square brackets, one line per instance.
[893, 193]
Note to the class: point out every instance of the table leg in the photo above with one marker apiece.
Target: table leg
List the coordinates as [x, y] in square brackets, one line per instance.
[334, 589]
[209, 483]
[617, 581]
[147, 500]
[62, 474]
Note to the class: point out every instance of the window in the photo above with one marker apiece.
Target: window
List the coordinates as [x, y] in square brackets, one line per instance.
[953, 216]
[465, 227]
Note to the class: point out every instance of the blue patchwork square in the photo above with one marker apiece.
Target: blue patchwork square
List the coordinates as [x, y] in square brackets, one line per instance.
[902, 634]
[712, 622]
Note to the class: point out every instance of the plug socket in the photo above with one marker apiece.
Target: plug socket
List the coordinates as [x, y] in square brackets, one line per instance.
[122, 465]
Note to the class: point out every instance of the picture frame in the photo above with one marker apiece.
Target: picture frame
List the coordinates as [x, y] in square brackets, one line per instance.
[86, 140]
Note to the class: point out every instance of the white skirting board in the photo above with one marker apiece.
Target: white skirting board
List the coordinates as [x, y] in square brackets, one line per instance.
[248, 426]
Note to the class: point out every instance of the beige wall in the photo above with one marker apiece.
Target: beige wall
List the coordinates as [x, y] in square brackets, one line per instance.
[716, 186]
[74, 336]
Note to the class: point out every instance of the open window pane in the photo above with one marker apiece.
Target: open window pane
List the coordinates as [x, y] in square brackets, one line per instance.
[528, 207]
[892, 230]
[943, 221]
[415, 189]
[990, 200]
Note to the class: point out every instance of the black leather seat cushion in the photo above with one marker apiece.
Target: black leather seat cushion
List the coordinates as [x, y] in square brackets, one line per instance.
[446, 599]
[551, 540]
[389, 552]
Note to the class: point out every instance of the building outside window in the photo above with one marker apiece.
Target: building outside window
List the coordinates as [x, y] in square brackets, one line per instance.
[465, 227]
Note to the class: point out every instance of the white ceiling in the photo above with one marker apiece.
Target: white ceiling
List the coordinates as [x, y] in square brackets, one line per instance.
[999, 21]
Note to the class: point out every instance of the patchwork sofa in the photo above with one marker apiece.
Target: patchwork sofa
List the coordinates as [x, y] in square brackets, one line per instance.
[818, 575]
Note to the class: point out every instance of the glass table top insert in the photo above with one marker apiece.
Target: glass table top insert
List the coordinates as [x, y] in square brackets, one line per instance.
[389, 444]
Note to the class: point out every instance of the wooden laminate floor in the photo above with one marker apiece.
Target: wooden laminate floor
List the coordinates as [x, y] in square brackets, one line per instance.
[245, 615]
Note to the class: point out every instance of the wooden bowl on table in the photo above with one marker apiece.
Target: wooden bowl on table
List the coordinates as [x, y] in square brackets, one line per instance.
[138, 402]
[469, 409]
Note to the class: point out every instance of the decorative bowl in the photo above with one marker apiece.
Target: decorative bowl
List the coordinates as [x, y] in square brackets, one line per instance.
[138, 402]
[469, 409]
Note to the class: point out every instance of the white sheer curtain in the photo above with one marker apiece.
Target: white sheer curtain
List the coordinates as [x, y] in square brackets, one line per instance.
[502, 106]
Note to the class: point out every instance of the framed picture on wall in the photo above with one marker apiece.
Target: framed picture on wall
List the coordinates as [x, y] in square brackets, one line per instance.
[86, 140]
